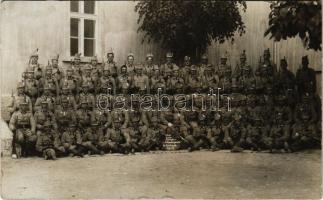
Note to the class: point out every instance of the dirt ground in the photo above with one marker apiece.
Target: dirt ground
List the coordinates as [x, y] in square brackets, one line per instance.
[202, 174]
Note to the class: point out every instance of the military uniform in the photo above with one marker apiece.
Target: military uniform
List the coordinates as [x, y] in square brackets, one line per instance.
[114, 139]
[107, 81]
[215, 133]
[22, 124]
[66, 94]
[194, 81]
[111, 64]
[49, 81]
[151, 138]
[286, 83]
[157, 81]
[57, 72]
[140, 82]
[70, 81]
[210, 79]
[44, 115]
[72, 140]
[64, 115]
[86, 96]
[150, 67]
[46, 97]
[88, 80]
[48, 142]
[305, 79]
[31, 85]
[235, 140]
[123, 81]
[19, 98]
[90, 139]
[77, 66]
[169, 66]
[267, 67]
[175, 83]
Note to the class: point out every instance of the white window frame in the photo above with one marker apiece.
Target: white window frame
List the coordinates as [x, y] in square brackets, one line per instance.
[81, 16]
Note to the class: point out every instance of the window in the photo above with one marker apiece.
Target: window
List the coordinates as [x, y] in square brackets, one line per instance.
[83, 32]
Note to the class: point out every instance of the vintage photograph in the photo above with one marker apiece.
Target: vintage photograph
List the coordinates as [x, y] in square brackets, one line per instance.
[158, 99]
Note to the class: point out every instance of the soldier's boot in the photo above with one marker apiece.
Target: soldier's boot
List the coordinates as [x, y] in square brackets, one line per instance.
[18, 150]
[93, 149]
[76, 152]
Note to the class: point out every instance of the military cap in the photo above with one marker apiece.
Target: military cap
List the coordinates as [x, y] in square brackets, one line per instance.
[204, 57]
[187, 58]
[77, 56]
[193, 68]
[243, 54]
[20, 85]
[110, 51]
[169, 55]
[87, 67]
[149, 55]
[266, 52]
[56, 57]
[130, 55]
[34, 54]
[94, 58]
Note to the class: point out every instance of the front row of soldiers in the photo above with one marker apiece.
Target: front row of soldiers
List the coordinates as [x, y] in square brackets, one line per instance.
[256, 122]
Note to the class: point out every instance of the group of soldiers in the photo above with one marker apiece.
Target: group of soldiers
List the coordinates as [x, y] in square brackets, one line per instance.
[56, 112]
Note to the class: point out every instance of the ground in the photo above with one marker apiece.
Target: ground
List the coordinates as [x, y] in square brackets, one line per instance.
[202, 174]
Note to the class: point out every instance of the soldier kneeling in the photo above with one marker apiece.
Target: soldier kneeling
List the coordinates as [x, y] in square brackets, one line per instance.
[114, 139]
[151, 138]
[90, 139]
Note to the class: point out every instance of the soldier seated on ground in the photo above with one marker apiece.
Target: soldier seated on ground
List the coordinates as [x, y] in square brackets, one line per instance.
[151, 138]
[116, 142]
[48, 142]
[235, 140]
[71, 140]
[90, 139]
[215, 134]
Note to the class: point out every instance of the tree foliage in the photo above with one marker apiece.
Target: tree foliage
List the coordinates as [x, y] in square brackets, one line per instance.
[186, 27]
[288, 19]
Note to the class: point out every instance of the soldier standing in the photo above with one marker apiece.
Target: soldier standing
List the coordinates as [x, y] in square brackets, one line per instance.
[111, 64]
[157, 81]
[35, 66]
[46, 96]
[107, 81]
[210, 79]
[57, 72]
[194, 81]
[130, 64]
[204, 65]
[50, 81]
[22, 124]
[71, 81]
[96, 69]
[31, 85]
[140, 81]
[286, 83]
[67, 94]
[86, 96]
[267, 67]
[305, 78]
[124, 81]
[185, 69]
[87, 79]
[175, 83]
[150, 67]
[77, 66]
[169, 66]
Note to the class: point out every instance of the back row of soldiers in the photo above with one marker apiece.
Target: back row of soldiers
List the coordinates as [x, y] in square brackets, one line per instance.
[57, 112]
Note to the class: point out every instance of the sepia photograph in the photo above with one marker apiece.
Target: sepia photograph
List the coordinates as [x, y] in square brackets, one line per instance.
[160, 99]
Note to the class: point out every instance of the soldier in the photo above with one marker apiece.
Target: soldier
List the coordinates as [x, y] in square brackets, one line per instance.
[50, 81]
[280, 130]
[46, 96]
[124, 81]
[44, 115]
[118, 114]
[169, 66]
[48, 142]
[77, 66]
[35, 66]
[235, 140]
[83, 115]
[305, 78]
[107, 81]
[72, 140]
[150, 67]
[96, 69]
[130, 64]
[242, 67]
[67, 94]
[140, 81]
[157, 81]
[114, 139]
[194, 81]
[90, 139]
[257, 134]
[57, 72]
[304, 131]
[204, 65]
[71, 81]
[248, 80]
[184, 71]
[215, 134]
[111, 64]
[151, 138]
[31, 85]
[20, 97]
[64, 115]
[224, 69]
[210, 79]
[87, 79]
[286, 82]
[267, 67]
[22, 124]
[86, 96]
[175, 83]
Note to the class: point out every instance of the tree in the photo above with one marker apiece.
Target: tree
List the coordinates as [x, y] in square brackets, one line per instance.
[288, 19]
[188, 27]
